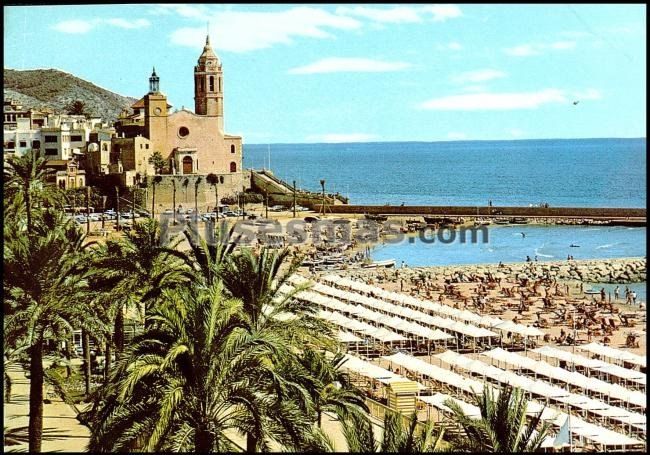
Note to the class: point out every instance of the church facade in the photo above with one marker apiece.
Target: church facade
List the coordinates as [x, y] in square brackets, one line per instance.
[191, 143]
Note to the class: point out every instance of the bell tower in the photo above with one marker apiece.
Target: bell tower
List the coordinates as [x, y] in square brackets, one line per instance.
[208, 85]
[155, 113]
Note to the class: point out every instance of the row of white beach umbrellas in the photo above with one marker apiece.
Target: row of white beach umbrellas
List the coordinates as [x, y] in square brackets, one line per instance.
[592, 364]
[438, 308]
[580, 427]
[467, 330]
[362, 312]
[613, 353]
[546, 390]
[574, 378]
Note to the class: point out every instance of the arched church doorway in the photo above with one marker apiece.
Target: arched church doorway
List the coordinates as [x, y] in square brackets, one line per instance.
[187, 165]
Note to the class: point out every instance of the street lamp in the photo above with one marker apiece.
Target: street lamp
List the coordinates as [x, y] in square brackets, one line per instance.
[322, 184]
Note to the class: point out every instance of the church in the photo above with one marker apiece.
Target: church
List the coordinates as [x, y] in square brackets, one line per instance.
[191, 143]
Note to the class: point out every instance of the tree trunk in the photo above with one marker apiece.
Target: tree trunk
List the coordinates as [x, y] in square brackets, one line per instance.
[251, 443]
[36, 396]
[7, 388]
[203, 440]
[107, 363]
[216, 198]
[28, 207]
[196, 201]
[319, 416]
[86, 347]
[119, 333]
[153, 200]
[174, 201]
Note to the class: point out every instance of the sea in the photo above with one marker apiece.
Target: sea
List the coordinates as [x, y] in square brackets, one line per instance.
[560, 172]
[569, 173]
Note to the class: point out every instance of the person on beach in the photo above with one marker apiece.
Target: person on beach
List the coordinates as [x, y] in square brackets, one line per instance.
[602, 294]
[633, 294]
[616, 293]
[527, 258]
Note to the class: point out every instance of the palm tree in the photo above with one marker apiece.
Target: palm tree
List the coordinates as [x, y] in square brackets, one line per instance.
[45, 291]
[25, 179]
[256, 279]
[155, 181]
[135, 270]
[502, 426]
[397, 437]
[329, 387]
[213, 180]
[196, 196]
[185, 184]
[174, 200]
[192, 380]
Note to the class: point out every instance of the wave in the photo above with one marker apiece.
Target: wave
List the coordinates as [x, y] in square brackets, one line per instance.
[537, 253]
[607, 245]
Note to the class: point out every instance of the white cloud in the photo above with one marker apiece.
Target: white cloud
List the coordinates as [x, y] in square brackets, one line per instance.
[480, 75]
[451, 46]
[77, 26]
[588, 94]
[246, 31]
[349, 65]
[443, 12]
[496, 101]
[455, 136]
[402, 14]
[74, 26]
[527, 50]
[123, 23]
[349, 137]
[523, 50]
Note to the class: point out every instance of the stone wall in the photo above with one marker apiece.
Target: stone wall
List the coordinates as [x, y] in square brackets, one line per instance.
[621, 270]
[583, 212]
[233, 183]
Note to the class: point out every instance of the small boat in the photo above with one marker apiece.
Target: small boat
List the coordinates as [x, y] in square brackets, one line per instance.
[519, 220]
[501, 221]
[482, 223]
[441, 221]
[573, 245]
[386, 263]
[380, 218]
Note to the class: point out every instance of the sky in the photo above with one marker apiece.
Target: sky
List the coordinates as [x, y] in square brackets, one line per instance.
[305, 73]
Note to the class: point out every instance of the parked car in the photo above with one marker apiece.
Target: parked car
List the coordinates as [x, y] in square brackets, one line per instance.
[276, 208]
[168, 212]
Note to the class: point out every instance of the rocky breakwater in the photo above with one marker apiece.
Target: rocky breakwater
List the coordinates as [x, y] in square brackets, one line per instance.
[620, 270]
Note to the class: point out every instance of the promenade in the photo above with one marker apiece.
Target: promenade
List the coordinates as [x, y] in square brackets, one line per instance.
[62, 432]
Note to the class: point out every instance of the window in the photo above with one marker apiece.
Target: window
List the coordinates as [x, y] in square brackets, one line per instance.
[51, 139]
[51, 152]
[23, 143]
[201, 85]
[105, 147]
[183, 131]
[219, 84]
[146, 146]
[11, 145]
[36, 144]
[221, 179]
[140, 146]
[76, 138]
[233, 167]
[232, 148]
[212, 83]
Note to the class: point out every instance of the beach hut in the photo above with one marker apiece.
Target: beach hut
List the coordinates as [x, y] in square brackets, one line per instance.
[401, 396]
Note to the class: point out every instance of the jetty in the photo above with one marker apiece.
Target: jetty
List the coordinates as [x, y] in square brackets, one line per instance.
[619, 216]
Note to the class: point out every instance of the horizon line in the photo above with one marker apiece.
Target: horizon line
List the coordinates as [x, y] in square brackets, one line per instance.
[450, 140]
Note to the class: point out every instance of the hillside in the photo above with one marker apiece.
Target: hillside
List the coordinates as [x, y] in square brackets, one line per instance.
[53, 89]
